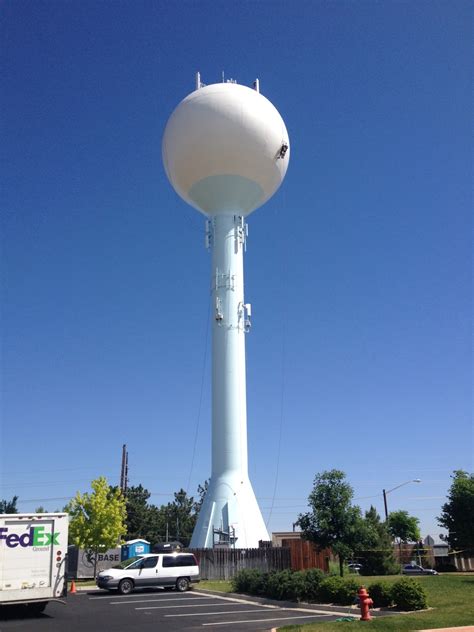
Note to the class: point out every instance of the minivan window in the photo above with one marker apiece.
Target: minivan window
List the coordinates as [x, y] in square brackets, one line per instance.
[126, 563]
[137, 564]
[178, 560]
[149, 562]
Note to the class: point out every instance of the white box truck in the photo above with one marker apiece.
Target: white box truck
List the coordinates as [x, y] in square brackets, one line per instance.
[33, 550]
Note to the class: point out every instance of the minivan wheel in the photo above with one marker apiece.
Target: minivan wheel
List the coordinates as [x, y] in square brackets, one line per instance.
[125, 587]
[182, 584]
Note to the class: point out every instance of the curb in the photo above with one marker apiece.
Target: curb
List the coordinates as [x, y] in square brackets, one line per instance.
[287, 604]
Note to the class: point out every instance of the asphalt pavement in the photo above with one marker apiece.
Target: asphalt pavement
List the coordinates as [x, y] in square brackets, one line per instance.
[167, 611]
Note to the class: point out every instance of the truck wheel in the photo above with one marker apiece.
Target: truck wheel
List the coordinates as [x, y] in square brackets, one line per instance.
[125, 587]
[37, 608]
[182, 584]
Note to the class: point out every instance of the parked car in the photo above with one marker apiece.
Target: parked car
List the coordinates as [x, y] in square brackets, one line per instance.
[174, 570]
[354, 567]
[415, 569]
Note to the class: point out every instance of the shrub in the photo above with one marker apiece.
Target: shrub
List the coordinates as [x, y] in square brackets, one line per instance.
[338, 590]
[249, 581]
[274, 585]
[285, 585]
[375, 563]
[381, 593]
[258, 583]
[312, 585]
[296, 586]
[312, 582]
[348, 592]
[328, 588]
[408, 594]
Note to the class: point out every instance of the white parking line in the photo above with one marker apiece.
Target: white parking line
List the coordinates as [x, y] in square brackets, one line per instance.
[233, 599]
[207, 614]
[119, 603]
[198, 605]
[156, 595]
[263, 620]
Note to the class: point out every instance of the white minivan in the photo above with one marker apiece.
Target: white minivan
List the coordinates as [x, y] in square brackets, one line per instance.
[169, 570]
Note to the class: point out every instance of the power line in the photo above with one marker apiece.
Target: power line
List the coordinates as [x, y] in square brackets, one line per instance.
[64, 469]
[283, 361]
[39, 484]
[198, 420]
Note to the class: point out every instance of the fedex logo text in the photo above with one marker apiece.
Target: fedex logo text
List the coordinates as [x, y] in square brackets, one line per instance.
[34, 537]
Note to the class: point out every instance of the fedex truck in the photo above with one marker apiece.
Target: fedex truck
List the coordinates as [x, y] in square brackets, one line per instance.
[33, 551]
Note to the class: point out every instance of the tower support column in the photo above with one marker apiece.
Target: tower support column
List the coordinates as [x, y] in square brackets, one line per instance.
[230, 509]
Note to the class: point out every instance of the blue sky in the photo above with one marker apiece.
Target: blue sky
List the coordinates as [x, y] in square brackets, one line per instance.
[358, 270]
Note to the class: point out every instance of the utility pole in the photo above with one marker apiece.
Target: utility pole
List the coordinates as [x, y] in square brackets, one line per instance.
[385, 504]
[385, 492]
[124, 470]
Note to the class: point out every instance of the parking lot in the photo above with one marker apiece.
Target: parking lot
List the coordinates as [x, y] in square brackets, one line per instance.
[163, 610]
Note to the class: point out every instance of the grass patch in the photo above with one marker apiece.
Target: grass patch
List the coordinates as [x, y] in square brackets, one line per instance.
[451, 597]
[218, 585]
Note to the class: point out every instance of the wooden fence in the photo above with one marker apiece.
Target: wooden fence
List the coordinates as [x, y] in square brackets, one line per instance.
[304, 555]
[225, 563]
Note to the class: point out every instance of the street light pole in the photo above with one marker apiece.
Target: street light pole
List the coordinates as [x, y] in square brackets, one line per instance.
[385, 492]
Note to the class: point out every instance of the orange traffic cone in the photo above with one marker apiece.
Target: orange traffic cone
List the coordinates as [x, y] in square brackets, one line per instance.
[73, 590]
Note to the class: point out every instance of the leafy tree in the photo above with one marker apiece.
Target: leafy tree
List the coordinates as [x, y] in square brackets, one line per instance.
[157, 530]
[97, 519]
[9, 506]
[403, 526]
[378, 558]
[41, 509]
[457, 515]
[138, 513]
[333, 521]
[143, 520]
[202, 491]
[181, 516]
[173, 521]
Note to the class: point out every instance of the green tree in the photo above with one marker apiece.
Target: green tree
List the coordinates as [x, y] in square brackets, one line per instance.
[202, 491]
[180, 516]
[403, 528]
[457, 515]
[9, 506]
[378, 557]
[173, 521]
[157, 527]
[138, 513]
[333, 521]
[97, 519]
[41, 509]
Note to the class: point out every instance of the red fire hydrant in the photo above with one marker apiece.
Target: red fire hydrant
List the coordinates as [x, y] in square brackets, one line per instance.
[365, 603]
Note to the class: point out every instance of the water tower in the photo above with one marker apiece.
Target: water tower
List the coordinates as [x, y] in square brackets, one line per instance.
[226, 152]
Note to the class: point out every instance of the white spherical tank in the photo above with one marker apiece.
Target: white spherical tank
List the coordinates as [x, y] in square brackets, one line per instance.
[225, 149]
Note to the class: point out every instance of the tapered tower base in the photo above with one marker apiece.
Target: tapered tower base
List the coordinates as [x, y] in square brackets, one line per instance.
[229, 515]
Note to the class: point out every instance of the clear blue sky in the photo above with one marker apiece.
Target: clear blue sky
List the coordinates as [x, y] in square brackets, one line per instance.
[358, 270]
